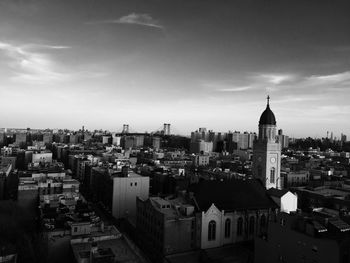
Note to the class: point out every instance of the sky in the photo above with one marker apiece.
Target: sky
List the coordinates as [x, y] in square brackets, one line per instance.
[191, 63]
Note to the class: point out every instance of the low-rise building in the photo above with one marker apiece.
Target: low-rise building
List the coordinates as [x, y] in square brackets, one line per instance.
[304, 238]
[200, 160]
[286, 200]
[295, 178]
[106, 244]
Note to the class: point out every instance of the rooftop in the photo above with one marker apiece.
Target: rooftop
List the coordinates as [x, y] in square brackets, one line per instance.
[277, 192]
[232, 194]
[117, 247]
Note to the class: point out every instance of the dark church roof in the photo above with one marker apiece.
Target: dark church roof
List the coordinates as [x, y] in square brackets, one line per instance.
[267, 117]
[232, 195]
[277, 192]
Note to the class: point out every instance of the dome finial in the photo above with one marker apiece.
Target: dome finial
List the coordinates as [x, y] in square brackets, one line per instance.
[268, 100]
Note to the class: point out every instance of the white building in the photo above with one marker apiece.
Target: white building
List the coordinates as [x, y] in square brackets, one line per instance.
[105, 139]
[286, 200]
[42, 157]
[116, 140]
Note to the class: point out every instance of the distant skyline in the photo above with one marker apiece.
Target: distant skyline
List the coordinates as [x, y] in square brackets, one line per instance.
[191, 63]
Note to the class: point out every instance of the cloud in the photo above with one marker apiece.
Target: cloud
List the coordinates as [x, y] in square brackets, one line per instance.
[276, 79]
[228, 85]
[31, 66]
[132, 19]
[293, 83]
[329, 79]
[235, 89]
[39, 46]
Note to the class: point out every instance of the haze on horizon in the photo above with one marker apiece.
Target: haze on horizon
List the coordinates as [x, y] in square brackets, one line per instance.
[191, 63]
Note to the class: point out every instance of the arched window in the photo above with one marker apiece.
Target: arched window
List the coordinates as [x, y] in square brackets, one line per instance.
[240, 226]
[262, 222]
[227, 228]
[251, 225]
[272, 175]
[211, 230]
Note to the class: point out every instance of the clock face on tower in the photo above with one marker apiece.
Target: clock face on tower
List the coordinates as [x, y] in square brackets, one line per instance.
[273, 159]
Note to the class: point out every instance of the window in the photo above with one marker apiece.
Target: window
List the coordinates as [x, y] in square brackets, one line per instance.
[262, 222]
[282, 222]
[239, 226]
[135, 183]
[211, 230]
[251, 225]
[227, 228]
[259, 171]
[75, 229]
[272, 175]
[130, 184]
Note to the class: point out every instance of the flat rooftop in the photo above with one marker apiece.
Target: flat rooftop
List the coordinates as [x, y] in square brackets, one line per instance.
[119, 247]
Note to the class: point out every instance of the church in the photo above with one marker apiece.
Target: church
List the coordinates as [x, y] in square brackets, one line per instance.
[267, 151]
[233, 211]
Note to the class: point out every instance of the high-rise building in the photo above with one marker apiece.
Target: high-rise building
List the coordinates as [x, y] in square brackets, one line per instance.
[243, 142]
[267, 151]
[47, 137]
[343, 138]
[252, 137]
[116, 140]
[283, 139]
[201, 146]
[21, 137]
[166, 129]
[2, 138]
[156, 143]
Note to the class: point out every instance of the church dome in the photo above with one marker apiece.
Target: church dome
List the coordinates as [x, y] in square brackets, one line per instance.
[267, 117]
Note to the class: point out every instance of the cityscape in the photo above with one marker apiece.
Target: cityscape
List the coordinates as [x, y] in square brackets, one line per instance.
[174, 131]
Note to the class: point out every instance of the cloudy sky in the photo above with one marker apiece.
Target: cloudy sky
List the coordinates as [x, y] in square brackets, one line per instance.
[191, 63]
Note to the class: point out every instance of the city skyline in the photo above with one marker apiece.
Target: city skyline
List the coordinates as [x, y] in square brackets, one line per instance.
[189, 63]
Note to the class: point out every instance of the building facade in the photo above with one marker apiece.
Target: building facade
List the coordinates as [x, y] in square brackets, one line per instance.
[165, 227]
[229, 212]
[267, 151]
[125, 191]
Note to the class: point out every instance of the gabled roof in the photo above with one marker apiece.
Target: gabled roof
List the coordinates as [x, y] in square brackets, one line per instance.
[277, 192]
[231, 195]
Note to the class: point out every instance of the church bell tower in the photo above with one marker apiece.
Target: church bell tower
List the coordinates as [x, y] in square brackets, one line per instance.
[267, 151]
